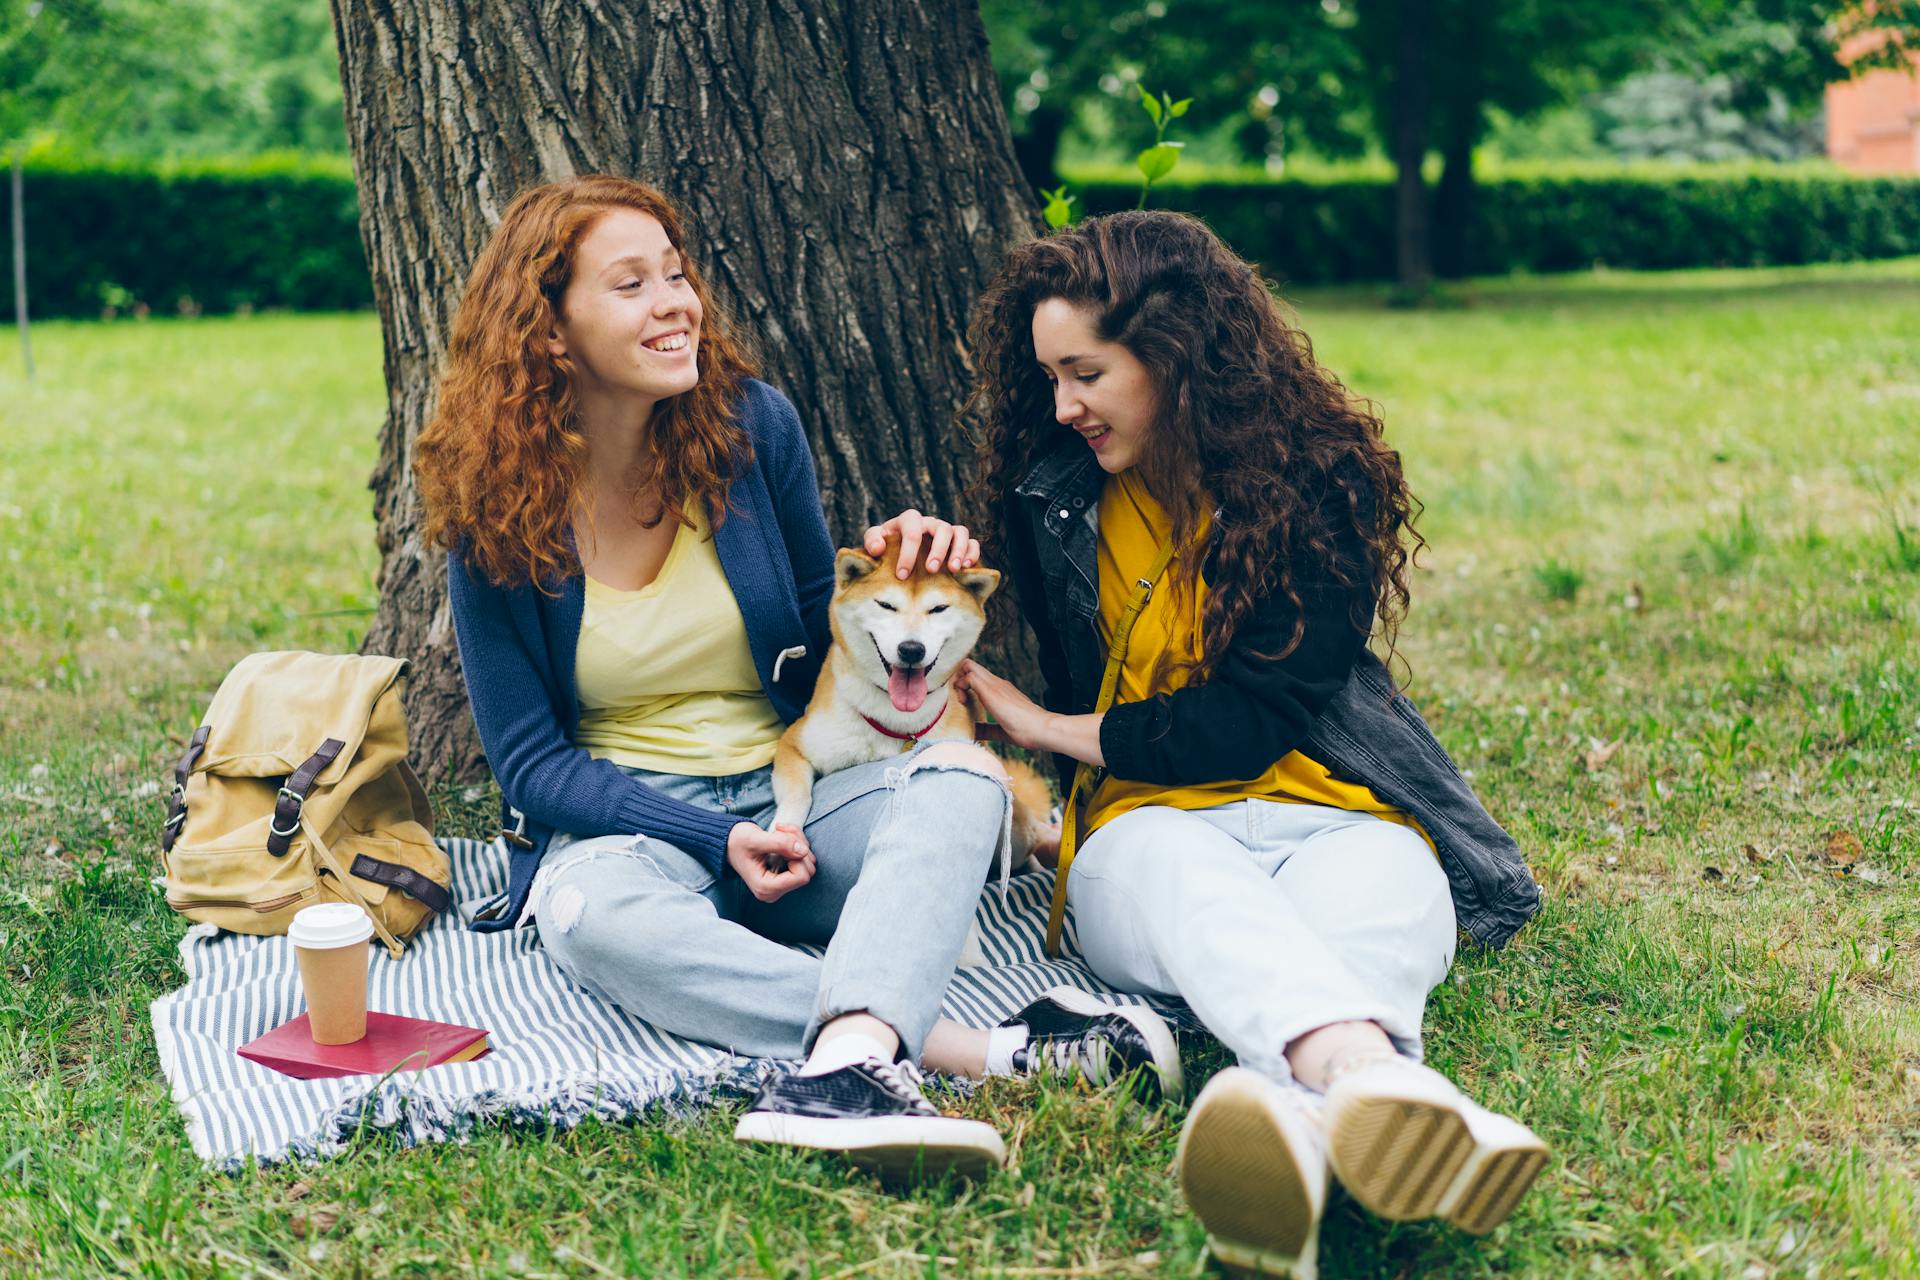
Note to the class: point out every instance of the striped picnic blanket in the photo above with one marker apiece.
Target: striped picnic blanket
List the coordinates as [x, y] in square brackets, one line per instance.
[559, 1054]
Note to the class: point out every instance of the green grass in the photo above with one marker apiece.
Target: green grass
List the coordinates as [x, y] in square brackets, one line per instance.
[1677, 512]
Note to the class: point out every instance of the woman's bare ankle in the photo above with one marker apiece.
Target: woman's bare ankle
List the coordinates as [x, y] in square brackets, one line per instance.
[1325, 1053]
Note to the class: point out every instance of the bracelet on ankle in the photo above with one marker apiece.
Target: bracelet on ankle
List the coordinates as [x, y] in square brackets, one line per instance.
[1352, 1060]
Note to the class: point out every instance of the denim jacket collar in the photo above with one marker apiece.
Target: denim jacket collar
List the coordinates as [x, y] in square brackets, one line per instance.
[1062, 476]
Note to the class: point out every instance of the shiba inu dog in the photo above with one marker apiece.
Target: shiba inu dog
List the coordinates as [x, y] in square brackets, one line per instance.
[887, 684]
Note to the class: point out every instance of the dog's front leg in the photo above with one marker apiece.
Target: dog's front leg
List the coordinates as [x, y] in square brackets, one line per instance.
[792, 780]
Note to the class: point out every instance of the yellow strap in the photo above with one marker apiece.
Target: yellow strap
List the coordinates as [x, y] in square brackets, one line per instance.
[1083, 775]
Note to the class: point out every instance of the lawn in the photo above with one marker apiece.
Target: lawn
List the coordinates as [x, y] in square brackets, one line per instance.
[1667, 622]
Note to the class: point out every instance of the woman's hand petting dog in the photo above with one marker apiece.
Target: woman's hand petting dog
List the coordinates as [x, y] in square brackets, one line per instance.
[1016, 717]
[949, 546]
[771, 863]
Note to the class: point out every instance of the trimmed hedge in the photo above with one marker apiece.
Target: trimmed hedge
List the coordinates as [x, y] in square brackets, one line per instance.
[282, 231]
[1328, 231]
[276, 231]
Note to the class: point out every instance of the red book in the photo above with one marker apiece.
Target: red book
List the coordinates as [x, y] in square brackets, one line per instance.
[391, 1042]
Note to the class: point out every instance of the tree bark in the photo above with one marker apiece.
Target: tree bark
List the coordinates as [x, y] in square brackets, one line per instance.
[20, 257]
[1412, 98]
[848, 181]
[1453, 206]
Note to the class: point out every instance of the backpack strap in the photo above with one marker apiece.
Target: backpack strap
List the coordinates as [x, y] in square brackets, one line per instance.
[286, 807]
[395, 876]
[343, 879]
[177, 808]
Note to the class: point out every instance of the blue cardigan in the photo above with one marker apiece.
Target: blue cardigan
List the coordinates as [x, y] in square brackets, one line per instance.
[517, 649]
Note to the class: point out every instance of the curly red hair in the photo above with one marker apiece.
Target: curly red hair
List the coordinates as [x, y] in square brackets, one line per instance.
[501, 463]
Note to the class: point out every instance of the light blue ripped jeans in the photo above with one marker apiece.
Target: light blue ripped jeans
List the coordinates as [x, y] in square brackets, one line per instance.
[902, 850]
[1270, 919]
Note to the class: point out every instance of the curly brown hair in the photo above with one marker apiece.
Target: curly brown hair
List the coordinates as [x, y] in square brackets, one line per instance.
[1245, 417]
[502, 463]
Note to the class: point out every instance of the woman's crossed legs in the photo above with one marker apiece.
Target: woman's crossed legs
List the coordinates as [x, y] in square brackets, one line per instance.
[902, 848]
[1307, 939]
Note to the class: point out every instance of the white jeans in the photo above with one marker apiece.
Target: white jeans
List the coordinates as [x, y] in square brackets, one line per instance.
[1269, 919]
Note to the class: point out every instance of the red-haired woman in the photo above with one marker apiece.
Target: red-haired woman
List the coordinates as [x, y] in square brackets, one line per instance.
[1202, 527]
[639, 574]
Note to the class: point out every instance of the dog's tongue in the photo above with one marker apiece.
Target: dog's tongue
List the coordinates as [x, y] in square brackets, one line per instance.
[907, 686]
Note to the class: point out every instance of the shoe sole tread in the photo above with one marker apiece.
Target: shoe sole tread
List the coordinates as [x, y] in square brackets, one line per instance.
[1402, 1157]
[1240, 1178]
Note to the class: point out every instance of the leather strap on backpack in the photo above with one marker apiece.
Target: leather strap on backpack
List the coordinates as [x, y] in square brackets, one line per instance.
[395, 876]
[286, 806]
[177, 808]
[343, 880]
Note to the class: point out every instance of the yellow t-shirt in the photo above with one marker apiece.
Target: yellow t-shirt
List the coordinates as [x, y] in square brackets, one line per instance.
[1132, 530]
[664, 675]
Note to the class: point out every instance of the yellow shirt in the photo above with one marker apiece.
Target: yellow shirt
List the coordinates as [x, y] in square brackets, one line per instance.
[1132, 530]
[664, 675]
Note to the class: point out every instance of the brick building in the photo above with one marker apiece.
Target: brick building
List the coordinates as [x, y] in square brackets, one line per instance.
[1873, 122]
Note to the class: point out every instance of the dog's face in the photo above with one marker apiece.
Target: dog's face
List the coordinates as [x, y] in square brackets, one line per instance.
[906, 636]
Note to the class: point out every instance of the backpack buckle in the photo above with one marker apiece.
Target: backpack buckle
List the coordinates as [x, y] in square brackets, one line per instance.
[289, 802]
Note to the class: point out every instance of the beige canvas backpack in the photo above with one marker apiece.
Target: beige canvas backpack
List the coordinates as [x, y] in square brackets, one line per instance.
[295, 790]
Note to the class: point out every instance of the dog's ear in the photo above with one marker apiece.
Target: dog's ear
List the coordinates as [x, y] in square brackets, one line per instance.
[978, 582]
[851, 565]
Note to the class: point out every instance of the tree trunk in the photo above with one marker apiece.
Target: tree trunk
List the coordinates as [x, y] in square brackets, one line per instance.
[20, 257]
[1453, 207]
[848, 181]
[1412, 98]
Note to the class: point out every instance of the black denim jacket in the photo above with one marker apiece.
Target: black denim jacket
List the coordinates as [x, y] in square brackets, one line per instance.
[1368, 733]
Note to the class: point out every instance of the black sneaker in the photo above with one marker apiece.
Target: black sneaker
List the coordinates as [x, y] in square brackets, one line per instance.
[873, 1113]
[1071, 1030]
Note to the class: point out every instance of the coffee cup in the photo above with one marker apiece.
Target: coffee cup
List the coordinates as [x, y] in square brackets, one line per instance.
[330, 941]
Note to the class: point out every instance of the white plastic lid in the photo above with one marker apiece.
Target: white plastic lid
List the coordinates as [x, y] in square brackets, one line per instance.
[330, 924]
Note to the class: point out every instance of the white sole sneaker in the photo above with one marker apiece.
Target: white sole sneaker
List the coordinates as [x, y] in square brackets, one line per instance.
[1254, 1176]
[1407, 1144]
[1151, 1026]
[894, 1146]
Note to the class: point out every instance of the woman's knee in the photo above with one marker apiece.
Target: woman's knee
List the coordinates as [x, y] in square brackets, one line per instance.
[616, 884]
[969, 757]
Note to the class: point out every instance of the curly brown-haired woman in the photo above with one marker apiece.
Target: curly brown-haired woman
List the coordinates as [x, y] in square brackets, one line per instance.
[1203, 528]
[639, 573]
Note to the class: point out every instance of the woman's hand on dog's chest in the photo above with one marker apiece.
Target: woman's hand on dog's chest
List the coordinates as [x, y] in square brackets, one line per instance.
[1022, 721]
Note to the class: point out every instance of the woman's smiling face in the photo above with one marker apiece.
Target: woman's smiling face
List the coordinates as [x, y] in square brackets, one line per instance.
[630, 320]
[1100, 390]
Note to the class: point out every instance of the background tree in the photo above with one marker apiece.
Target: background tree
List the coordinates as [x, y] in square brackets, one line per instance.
[849, 184]
[1268, 77]
[67, 68]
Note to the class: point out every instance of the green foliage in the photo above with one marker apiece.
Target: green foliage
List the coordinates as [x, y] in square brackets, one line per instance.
[1341, 229]
[1904, 555]
[272, 231]
[146, 78]
[1157, 161]
[1059, 207]
[1728, 548]
[1559, 581]
[1273, 76]
[283, 230]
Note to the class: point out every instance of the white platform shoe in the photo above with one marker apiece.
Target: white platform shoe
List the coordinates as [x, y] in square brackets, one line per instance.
[1406, 1143]
[1253, 1166]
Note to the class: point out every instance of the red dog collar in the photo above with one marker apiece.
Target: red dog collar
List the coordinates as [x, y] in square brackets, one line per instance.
[908, 737]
